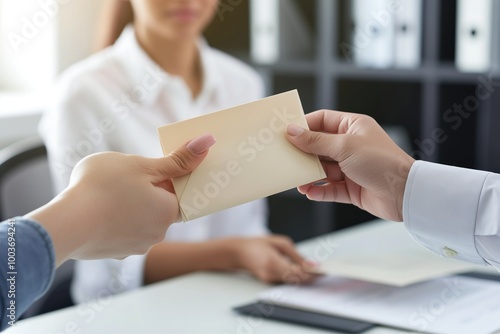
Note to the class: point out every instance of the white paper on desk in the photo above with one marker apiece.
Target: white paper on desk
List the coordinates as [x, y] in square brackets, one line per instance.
[452, 305]
[393, 258]
[251, 159]
[394, 268]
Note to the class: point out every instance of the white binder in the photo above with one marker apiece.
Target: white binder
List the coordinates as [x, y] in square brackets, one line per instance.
[373, 35]
[408, 34]
[264, 31]
[278, 31]
[474, 35]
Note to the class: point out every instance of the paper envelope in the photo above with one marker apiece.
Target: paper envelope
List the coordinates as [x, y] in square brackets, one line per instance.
[251, 159]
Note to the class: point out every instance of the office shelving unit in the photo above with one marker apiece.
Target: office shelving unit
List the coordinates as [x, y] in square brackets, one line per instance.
[413, 98]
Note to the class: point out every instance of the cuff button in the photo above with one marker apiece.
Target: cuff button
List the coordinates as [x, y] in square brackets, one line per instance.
[448, 252]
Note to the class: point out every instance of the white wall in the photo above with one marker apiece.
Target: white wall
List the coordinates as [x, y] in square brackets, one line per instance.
[40, 38]
[77, 28]
[54, 34]
[27, 46]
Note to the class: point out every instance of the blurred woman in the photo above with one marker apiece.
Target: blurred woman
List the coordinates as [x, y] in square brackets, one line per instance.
[161, 70]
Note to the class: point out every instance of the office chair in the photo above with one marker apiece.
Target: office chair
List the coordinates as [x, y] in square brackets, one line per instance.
[25, 184]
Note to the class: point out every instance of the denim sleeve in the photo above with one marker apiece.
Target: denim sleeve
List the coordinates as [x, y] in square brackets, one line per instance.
[27, 265]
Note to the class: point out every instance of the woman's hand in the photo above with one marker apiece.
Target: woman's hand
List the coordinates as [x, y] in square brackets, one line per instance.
[116, 204]
[272, 259]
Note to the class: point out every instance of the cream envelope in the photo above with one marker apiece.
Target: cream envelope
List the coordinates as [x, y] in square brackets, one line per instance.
[251, 159]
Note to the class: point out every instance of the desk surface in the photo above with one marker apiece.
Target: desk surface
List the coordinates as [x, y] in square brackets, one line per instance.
[201, 302]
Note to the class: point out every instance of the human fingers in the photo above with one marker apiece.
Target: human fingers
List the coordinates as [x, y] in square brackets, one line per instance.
[330, 192]
[274, 269]
[181, 161]
[299, 274]
[333, 172]
[286, 247]
[331, 121]
[319, 143]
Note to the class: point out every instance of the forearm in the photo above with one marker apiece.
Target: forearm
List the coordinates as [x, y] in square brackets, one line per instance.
[170, 259]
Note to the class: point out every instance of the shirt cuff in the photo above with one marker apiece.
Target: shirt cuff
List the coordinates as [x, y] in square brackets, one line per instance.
[488, 221]
[440, 208]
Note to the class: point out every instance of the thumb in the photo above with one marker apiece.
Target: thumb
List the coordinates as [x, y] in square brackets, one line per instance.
[183, 160]
[319, 143]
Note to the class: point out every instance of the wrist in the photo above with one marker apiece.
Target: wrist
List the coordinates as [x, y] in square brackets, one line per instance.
[62, 221]
[230, 251]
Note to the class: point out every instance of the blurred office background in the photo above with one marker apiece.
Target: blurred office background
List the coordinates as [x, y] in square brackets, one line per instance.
[427, 70]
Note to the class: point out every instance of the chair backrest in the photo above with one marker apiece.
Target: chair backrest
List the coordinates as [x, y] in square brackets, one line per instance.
[25, 181]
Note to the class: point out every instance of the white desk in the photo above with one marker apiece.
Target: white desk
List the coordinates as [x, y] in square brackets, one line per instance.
[202, 302]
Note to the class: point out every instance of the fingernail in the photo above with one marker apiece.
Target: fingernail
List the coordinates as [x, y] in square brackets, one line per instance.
[311, 264]
[294, 130]
[201, 144]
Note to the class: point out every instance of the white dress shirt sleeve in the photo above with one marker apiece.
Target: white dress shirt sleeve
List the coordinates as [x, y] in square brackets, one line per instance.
[454, 211]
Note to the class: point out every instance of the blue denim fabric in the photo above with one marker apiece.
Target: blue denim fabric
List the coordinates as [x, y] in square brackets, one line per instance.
[27, 274]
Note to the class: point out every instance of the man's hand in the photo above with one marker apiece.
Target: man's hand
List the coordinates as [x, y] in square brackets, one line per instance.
[363, 165]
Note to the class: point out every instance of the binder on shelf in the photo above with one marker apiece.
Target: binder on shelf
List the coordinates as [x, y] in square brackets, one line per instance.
[474, 35]
[278, 31]
[408, 34]
[373, 35]
[264, 31]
